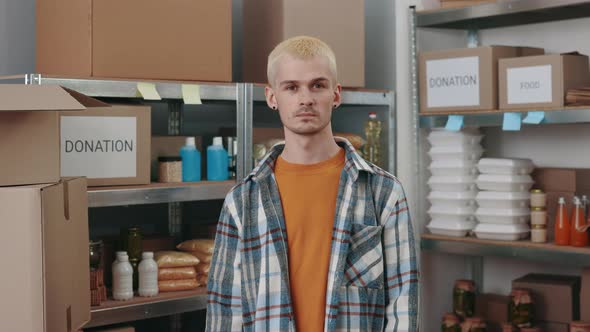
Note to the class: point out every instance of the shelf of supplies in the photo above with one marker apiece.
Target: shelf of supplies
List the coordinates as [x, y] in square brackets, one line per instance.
[504, 13]
[138, 308]
[158, 193]
[574, 114]
[350, 96]
[113, 88]
[526, 250]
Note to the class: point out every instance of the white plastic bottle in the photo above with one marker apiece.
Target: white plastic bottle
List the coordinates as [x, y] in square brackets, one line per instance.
[148, 275]
[122, 278]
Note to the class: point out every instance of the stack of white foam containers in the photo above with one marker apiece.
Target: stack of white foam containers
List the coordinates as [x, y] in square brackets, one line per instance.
[453, 171]
[503, 201]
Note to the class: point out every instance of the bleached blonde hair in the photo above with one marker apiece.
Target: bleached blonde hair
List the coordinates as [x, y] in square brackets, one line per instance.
[303, 48]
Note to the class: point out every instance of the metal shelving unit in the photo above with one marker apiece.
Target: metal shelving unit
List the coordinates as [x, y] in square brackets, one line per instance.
[538, 252]
[165, 304]
[244, 95]
[495, 118]
[504, 13]
[158, 193]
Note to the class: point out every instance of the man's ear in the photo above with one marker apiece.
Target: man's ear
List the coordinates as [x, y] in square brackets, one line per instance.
[337, 96]
[271, 99]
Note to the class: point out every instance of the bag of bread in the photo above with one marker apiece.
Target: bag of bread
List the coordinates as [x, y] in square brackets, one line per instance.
[175, 259]
[177, 285]
[203, 258]
[177, 273]
[204, 246]
[203, 268]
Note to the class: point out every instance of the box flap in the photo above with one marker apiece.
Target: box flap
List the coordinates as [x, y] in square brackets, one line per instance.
[19, 97]
[85, 100]
[65, 260]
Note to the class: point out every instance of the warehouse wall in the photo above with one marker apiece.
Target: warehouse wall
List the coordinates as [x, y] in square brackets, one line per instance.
[547, 145]
[17, 36]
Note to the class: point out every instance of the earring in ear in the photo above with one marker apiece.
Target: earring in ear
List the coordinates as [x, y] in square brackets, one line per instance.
[274, 108]
[335, 106]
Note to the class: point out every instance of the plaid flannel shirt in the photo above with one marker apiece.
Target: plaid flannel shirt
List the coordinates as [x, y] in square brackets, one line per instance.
[373, 274]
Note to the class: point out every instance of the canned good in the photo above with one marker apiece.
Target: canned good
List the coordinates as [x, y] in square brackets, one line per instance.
[538, 216]
[451, 323]
[473, 324]
[538, 198]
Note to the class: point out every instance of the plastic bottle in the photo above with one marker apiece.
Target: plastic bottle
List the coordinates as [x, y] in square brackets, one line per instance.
[122, 279]
[562, 224]
[579, 236]
[191, 161]
[372, 149]
[217, 167]
[148, 275]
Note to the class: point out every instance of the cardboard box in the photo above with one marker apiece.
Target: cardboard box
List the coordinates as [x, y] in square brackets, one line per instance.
[29, 132]
[493, 308]
[169, 146]
[556, 297]
[109, 144]
[110, 38]
[45, 239]
[563, 179]
[540, 81]
[463, 79]
[268, 22]
[585, 295]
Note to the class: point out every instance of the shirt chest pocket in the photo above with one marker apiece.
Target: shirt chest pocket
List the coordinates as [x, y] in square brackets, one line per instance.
[364, 262]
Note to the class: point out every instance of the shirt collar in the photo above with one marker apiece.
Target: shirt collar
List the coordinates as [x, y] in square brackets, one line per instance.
[353, 166]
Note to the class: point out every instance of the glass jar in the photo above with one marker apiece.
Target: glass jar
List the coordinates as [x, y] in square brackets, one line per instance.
[521, 309]
[131, 242]
[579, 326]
[464, 298]
[95, 254]
[451, 323]
[473, 324]
[538, 216]
[169, 169]
[538, 198]
[539, 233]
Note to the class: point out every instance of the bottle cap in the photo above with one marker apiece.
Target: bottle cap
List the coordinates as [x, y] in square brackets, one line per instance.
[147, 255]
[217, 141]
[372, 115]
[561, 200]
[121, 253]
[576, 200]
[190, 141]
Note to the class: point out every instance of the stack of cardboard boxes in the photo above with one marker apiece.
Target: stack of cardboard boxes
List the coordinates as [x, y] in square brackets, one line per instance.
[50, 138]
[489, 78]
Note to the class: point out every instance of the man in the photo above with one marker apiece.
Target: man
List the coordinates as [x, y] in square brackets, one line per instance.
[315, 238]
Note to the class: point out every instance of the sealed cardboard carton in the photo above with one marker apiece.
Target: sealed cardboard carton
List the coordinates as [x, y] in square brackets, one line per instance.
[29, 132]
[494, 310]
[463, 79]
[585, 295]
[108, 144]
[541, 81]
[268, 22]
[46, 263]
[563, 179]
[556, 297]
[110, 38]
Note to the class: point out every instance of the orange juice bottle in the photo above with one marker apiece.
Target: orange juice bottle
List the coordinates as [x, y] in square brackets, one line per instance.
[562, 224]
[579, 236]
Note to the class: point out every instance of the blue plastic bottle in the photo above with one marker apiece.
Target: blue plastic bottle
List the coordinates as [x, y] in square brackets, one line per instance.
[191, 161]
[217, 162]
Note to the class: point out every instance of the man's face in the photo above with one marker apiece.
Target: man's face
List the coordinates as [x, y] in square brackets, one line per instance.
[304, 93]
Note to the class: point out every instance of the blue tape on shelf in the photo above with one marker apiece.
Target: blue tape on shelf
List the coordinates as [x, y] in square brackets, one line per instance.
[454, 123]
[534, 117]
[511, 122]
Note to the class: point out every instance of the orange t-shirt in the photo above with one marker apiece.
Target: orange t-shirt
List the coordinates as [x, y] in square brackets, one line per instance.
[308, 196]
